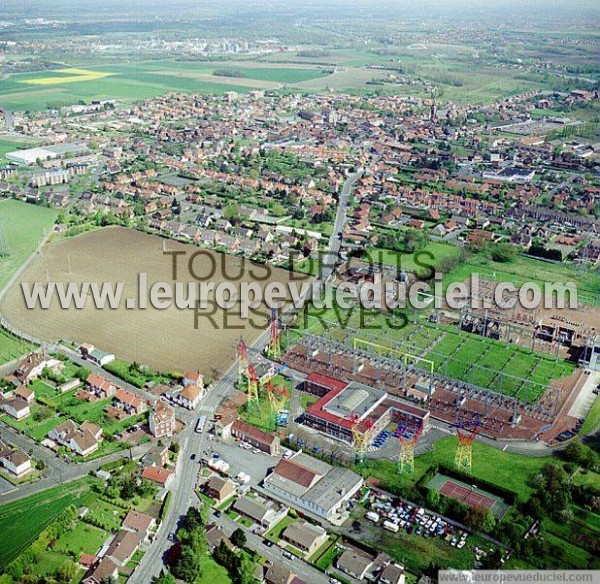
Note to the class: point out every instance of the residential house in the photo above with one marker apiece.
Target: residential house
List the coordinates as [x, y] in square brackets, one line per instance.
[224, 422]
[277, 574]
[16, 407]
[160, 476]
[162, 419]
[139, 523]
[265, 516]
[130, 402]
[264, 441]
[215, 535]
[193, 378]
[305, 536]
[123, 546]
[84, 441]
[392, 574]
[103, 571]
[15, 461]
[25, 393]
[157, 456]
[354, 564]
[219, 489]
[101, 387]
[189, 397]
[31, 367]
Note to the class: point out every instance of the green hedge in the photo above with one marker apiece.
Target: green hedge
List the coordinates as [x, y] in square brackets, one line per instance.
[509, 496]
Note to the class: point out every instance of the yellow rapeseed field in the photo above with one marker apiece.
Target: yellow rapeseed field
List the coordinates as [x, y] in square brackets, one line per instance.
[69, 75]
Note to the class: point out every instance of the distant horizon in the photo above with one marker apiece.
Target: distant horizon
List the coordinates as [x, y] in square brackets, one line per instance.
[429, 9]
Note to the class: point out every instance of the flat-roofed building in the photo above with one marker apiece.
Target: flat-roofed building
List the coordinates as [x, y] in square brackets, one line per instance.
[30, 156]
[336, 412]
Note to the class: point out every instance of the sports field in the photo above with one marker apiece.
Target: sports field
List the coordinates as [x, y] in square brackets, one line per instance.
[469, 494]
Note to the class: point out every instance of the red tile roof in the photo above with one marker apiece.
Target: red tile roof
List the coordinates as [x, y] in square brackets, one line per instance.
[158, 475]
[295, 472]
[254, 433]
[326, 381]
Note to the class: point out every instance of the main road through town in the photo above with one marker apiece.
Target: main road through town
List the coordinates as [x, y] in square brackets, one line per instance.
[183, 488]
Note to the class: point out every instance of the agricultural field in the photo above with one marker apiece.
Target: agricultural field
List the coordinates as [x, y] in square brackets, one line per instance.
[25, 226]
[168, 340]
[62, 76]
[141, 80]
[20, 527]
[348, 70]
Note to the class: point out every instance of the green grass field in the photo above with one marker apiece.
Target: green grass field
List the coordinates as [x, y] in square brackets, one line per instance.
[211, 572]
[25, 226]
[20, 526]
[13, 144]
[82, 538]
[504, 469]
[12, 347]
[524, 269]
[592, 420]
[440, 252]
[141, 80]
[108, 516]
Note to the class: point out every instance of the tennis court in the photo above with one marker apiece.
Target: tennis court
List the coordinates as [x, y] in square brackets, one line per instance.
[469, 494]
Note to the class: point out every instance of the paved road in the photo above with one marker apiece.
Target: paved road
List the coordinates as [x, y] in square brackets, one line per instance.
[274, 553]
[183, 494]
[57, 470]
[331, 258]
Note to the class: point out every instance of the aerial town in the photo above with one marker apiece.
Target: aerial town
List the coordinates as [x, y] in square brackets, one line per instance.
[310, 443]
